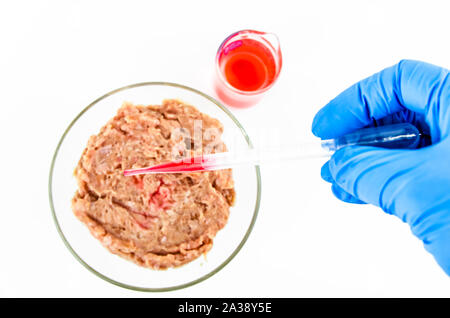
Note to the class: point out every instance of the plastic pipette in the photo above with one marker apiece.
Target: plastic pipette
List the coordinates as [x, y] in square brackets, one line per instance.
[396, 136]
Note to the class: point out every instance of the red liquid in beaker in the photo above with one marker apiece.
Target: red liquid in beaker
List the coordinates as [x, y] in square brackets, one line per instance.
[247, 65]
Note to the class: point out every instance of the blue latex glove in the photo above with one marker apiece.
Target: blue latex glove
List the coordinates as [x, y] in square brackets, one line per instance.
[414, 185]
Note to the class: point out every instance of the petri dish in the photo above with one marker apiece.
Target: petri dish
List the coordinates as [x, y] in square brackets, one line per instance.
[89, 251]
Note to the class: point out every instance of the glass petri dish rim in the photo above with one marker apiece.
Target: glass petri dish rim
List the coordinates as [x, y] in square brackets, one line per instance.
[170, 288]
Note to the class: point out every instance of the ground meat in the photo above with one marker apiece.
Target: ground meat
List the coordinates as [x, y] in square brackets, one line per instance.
[155, 220]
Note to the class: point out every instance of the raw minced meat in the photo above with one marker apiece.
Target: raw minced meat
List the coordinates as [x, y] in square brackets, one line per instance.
[155, 220]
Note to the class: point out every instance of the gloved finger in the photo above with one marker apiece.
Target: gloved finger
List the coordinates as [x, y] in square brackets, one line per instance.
[344, 196]
[372, 175]
[439, 249]
[337, 191]
[412, 85]
[325, 172]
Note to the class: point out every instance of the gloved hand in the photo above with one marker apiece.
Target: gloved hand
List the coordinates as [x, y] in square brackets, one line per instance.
[414, 185]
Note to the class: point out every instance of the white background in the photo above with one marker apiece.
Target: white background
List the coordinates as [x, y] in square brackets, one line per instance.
[58, 56]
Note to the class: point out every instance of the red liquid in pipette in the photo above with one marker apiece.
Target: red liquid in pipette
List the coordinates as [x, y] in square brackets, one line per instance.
[187, 165]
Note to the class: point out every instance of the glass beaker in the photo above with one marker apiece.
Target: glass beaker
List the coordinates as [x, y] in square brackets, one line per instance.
[248, 63]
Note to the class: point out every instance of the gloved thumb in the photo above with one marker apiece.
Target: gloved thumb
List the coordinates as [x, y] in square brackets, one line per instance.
[374, 175]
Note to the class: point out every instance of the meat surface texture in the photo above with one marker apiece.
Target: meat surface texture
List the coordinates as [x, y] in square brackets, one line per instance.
[155, 220]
